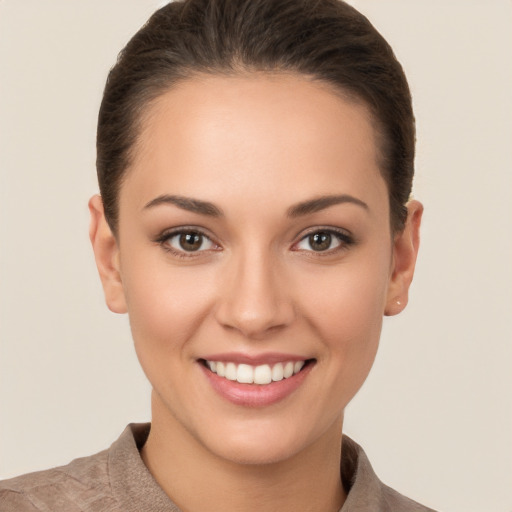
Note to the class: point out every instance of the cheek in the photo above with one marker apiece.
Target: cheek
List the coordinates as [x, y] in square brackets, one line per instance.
[350, 297]
[165, 306]
[345, 307]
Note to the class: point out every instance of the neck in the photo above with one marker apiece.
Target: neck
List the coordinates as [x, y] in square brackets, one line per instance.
[199, 481]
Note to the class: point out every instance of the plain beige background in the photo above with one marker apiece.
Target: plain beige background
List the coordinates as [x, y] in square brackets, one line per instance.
[435, 415]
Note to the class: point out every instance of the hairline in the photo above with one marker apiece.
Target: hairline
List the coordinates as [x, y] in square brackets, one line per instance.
[145, 111]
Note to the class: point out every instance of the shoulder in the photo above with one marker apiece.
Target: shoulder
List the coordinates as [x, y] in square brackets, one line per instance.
[12, 500]
[366, 492]
[80, 485]
[113, 480]
[396, 502]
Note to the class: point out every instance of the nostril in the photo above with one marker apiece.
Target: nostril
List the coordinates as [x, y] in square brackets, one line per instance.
[256, 322]
[252, 300]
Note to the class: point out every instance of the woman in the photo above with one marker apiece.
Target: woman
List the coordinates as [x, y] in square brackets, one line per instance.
[255, 162]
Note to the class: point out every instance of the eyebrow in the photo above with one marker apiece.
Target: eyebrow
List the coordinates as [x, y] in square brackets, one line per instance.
[186, 203]
[323, 202]
[298, 210]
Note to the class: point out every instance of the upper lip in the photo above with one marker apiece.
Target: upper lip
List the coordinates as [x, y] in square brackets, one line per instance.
[255, 359]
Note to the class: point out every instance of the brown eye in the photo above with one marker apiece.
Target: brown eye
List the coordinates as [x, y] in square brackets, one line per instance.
[191, 241]
[320, 241]
[187, 242]
[324, 240]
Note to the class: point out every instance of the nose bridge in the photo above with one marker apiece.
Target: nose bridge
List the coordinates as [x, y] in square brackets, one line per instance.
[254, 299]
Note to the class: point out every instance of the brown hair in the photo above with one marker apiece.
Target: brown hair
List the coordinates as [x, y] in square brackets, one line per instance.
[325, 39]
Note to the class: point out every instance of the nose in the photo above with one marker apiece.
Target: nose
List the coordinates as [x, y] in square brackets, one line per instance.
[254, 297]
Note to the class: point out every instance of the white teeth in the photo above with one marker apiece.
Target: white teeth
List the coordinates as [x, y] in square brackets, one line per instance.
[221, 369]
[261, 374]
[288, 370]
[297, 367]
[245, 374]
[231, 371]
[277, 372]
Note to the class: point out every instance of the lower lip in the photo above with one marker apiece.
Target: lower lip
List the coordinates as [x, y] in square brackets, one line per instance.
[256, 395]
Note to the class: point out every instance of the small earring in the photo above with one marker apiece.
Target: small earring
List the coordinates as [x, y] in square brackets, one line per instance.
[398, 303]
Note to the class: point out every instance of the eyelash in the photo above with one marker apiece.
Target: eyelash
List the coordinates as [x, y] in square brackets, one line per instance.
[165, 238]
[345, 240]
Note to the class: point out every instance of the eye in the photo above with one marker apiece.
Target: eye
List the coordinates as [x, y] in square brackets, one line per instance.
[323, 241]
[186, 241]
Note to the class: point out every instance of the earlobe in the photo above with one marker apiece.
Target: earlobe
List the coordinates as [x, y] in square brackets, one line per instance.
[106, 253]
[405, 252]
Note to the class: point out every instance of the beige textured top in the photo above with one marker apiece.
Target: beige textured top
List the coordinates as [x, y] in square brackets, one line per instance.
[116, 480]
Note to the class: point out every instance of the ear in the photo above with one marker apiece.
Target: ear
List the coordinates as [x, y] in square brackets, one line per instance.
[405, 251]
[106, 253]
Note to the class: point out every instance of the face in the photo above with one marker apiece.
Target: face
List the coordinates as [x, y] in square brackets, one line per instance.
[255, 259]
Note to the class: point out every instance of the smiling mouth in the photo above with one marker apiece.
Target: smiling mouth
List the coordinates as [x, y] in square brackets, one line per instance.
[261, 374]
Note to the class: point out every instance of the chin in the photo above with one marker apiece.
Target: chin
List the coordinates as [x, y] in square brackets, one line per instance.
[251, 452]
[268, 442]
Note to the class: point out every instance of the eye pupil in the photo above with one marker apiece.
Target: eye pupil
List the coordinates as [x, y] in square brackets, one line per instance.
[191, 241]
[320, 241]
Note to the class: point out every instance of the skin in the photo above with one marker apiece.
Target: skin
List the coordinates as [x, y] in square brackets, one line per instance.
[255, 146]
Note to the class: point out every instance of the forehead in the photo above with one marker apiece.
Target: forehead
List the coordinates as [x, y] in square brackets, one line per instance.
[283, 130]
